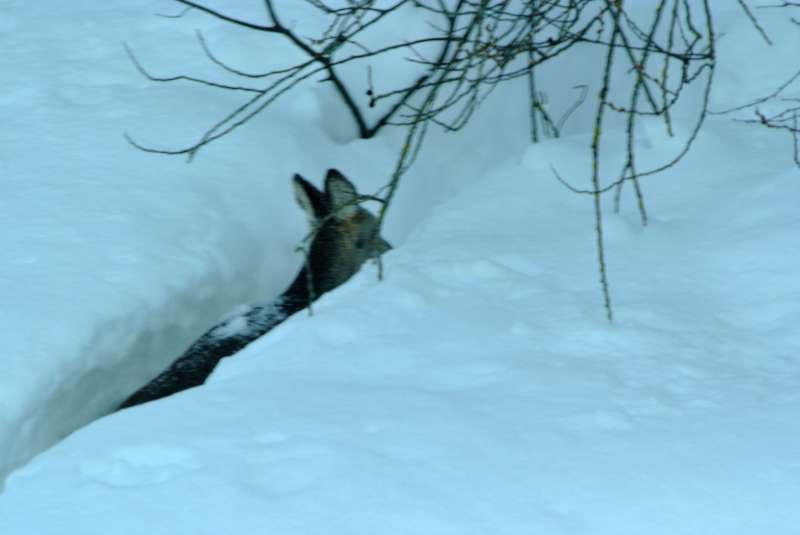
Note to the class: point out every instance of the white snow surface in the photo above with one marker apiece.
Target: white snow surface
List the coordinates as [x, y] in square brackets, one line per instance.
[477, 389]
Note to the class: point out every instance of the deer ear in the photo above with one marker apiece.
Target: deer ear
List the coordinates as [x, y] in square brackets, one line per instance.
[341, 194]
[310, 199]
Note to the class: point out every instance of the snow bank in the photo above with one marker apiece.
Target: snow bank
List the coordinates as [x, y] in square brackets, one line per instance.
[478, 389]
[115, 259]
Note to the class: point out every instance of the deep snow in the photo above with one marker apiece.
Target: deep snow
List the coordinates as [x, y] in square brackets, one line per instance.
[477, 389]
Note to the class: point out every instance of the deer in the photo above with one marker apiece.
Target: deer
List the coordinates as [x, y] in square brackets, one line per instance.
[343, 236]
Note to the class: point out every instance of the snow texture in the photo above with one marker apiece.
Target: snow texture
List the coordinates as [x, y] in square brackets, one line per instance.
[477, 389]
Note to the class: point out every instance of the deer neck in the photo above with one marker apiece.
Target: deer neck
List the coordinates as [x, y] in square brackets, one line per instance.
[303, 291]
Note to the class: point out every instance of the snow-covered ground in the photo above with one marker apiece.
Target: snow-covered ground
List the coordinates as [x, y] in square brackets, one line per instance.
[477, 389]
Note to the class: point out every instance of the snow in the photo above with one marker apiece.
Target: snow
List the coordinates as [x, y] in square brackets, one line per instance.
[477, 389]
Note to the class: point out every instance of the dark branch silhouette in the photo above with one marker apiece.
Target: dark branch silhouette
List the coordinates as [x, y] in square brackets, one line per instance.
[474, 46]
